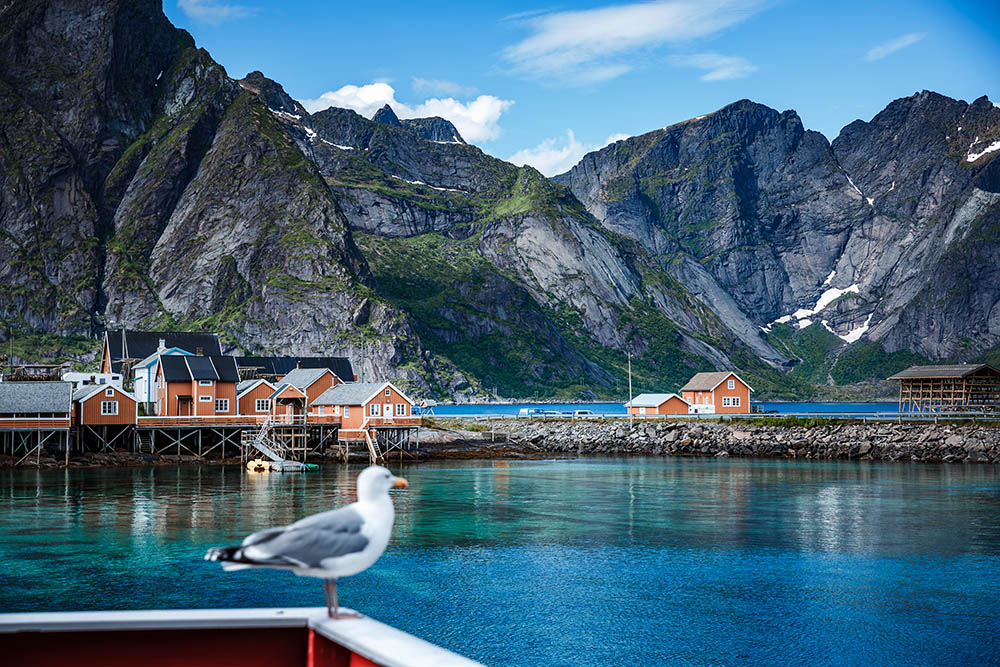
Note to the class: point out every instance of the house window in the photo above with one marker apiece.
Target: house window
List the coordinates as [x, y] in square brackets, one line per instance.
[109, 407]
[262, 404]
[204, 383]
[387, 391]
[642, 411]
[336, 409]
[347, 411]
[109, 392]
[375, 409]
[204, 399]
[732, 384]
[222, 405]
[400, 409]
[730, 401]
[320, 409]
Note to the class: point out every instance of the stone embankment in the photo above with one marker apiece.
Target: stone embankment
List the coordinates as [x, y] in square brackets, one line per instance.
[867, 442]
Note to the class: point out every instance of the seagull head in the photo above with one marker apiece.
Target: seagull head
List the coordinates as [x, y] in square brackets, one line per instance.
[375, 481]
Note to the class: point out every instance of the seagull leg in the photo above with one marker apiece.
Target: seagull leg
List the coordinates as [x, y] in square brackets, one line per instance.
[336, 610]
[326, 589]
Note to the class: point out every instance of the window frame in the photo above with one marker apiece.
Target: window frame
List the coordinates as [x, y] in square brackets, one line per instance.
[109, 391]
[107, 412]
[205, 398]
[266, 402]
[731, 384]
[374, 409]
[204, 383]
[400, 409]
[223, 401]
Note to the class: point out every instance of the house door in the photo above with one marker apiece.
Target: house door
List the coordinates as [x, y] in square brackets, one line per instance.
[184, 406]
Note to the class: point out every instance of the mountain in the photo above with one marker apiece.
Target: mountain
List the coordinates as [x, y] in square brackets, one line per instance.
[893, 227]
[143, 186]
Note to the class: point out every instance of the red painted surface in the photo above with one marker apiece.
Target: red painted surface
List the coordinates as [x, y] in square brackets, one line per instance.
[671, 406]
[246, 647]
[89, 411]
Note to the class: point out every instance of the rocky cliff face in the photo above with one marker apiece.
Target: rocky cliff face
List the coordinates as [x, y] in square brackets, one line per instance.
[147, 188]
[143, 186]
[888, 234]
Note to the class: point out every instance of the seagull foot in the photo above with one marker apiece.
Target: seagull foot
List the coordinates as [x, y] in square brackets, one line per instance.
[344, 615]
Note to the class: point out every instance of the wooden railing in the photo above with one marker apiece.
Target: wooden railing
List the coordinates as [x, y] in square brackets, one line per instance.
[374, 422]
[41, 423]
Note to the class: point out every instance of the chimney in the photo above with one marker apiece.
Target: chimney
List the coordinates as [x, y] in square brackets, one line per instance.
[298, 363]
[200, 351]
[93, 379]
[163, 344]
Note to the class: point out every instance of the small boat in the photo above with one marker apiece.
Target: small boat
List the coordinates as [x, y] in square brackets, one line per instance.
[294, 637]
[258, 465]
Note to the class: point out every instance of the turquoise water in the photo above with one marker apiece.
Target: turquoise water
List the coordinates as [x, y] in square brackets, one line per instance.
[583, 562]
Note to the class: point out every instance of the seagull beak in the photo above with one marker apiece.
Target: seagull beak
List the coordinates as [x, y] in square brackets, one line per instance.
[400, 482]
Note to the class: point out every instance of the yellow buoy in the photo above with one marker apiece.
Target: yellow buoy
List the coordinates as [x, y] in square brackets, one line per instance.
[258, 465]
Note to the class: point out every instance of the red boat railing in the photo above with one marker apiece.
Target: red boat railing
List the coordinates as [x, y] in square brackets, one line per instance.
[197, 637]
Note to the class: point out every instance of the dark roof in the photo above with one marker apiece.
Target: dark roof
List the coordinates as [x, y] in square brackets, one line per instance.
[182, 368]
[955, 371]
[175, 369]
[30, 397]
[226, 368]
[141, 344]
[201, 368]
[278, 366]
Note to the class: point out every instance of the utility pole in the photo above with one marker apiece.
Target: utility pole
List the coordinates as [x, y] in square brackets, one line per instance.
[362, 360]
[629, 388]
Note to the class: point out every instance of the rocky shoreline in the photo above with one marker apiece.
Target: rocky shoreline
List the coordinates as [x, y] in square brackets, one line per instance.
[929, 443]
[522, 439]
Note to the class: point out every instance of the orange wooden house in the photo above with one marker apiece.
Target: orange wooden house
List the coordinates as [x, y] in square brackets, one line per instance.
[717, 393]
[196, 386]
[253, 397]
[657, 404]
[288, 404]
[104, 405]
[312, 381]
[363, 406]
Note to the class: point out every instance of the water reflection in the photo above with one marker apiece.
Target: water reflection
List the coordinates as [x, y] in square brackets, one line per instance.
[687, 561]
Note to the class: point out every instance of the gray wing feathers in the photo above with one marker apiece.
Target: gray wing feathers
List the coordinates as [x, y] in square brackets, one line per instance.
[307, 542]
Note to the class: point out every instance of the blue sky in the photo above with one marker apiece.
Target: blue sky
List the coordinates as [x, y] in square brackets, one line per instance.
[544, 83]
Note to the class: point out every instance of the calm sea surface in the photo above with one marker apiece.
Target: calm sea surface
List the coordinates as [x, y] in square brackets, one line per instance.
[578, 562]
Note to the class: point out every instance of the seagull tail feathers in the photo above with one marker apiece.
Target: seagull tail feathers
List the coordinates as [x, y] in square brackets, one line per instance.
[224, 554]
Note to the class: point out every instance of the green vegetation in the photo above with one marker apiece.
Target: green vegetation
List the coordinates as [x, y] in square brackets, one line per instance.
[80, 351]
[812, 346]
[868, 361]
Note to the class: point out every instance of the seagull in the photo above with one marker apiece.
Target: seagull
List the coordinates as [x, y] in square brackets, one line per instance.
[327, 545]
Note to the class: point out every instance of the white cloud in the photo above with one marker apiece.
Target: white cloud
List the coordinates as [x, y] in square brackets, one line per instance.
[720, 68]
[591, 45]
[887, 48]
[476, 120]
[442, 87]
[213, 12]
[553, 156]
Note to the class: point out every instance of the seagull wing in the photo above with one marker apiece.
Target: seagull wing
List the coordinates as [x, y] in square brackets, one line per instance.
[307, 542]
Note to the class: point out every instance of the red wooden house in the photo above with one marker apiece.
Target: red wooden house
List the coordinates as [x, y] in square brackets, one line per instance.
[717, 393]
[364, 406]
[196, 386]
[657, 404]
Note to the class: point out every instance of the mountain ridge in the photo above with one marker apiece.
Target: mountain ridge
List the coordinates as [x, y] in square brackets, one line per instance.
[196, 200]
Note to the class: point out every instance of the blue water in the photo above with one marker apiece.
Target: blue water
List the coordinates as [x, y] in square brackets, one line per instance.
[478, 409]
[572, 562]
